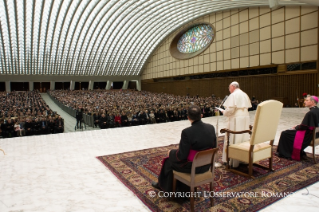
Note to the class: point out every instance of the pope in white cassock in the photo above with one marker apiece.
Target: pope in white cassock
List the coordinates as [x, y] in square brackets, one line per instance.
[236, 111]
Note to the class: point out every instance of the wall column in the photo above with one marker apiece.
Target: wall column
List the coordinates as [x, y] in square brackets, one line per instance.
[72, 85]
[91, 84]
[8, 86]
[52, 85]
[125, 84]
[30, 86]
[138, 85]
[108, 85]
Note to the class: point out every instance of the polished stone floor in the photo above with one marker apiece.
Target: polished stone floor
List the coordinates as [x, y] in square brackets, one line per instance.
[60, 172]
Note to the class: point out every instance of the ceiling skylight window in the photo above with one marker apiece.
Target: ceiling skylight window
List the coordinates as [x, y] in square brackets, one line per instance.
[95, 37]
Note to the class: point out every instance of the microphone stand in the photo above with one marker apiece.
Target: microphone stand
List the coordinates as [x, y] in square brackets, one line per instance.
[217, 164]
[218, 115]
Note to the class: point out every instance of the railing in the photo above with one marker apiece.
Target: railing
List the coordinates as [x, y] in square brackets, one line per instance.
[87, 118]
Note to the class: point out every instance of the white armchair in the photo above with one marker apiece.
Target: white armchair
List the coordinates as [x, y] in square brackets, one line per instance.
[255, 149]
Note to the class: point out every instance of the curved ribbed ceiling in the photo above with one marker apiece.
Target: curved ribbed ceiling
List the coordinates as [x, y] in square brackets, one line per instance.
[82, 37]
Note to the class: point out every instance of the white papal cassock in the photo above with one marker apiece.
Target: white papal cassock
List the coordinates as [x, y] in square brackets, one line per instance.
[236, 111]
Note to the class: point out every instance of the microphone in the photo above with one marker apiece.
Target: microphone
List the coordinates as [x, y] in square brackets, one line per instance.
[223, 100]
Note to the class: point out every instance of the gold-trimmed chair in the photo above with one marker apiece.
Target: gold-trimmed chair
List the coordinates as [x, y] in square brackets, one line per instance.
[314, 143]
[255, 149]
[193, 180]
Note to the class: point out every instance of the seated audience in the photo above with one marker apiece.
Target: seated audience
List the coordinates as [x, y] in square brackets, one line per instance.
[134, 104]
[25, 109]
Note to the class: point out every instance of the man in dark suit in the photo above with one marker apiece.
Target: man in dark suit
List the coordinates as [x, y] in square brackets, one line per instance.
[38, 127]
[51, 126]
[79, 116]
[110, 120]
[96, 119]
[200, 136]
[9, 128]
[28, 127]
[59, 125]
[142, 118]
[103, 121]
[124, 120]
[43, 126]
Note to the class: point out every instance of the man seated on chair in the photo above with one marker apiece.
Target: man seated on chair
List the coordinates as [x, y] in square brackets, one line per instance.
[59, 125]
[103, 121]
[51, 126]
[200, 136]
[28, 127]
[44, 126]
[293, 141]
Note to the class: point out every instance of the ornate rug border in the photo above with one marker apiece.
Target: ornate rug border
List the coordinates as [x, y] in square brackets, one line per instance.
[153, 207]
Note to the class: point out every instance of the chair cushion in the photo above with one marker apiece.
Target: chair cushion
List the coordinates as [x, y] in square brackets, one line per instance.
[198, 177]
[246, 146]
[240, 151]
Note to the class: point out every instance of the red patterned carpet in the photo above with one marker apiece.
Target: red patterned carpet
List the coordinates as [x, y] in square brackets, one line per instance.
[139, 168]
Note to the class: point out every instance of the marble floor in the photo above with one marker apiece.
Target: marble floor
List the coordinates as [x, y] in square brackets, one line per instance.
[60, 172]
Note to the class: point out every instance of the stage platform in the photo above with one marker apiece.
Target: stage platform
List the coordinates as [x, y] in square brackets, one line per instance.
[60, 172]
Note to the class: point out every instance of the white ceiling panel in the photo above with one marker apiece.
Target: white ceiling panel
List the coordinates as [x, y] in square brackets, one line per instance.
[94, 37]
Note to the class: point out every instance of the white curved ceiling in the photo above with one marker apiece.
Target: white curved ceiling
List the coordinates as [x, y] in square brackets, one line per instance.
[98, 37]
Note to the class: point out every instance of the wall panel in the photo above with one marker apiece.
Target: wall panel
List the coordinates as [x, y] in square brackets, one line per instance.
[263, 87]
[284, 35]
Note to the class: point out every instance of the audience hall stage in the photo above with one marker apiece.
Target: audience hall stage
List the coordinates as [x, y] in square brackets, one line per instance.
[60, 172]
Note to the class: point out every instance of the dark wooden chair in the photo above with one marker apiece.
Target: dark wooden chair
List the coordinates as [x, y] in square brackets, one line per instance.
[194, 180]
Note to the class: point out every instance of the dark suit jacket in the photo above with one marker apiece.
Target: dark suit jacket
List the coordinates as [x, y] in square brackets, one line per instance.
[79, 114]
[51, 125]
[45, 124]
[57, 123]
[37, 125]
[200, 136]
[29, 125]
[102, 120]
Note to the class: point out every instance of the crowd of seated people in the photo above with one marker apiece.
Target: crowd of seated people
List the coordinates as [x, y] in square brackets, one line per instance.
[25, 114]
[118, 108]
[254, 103]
